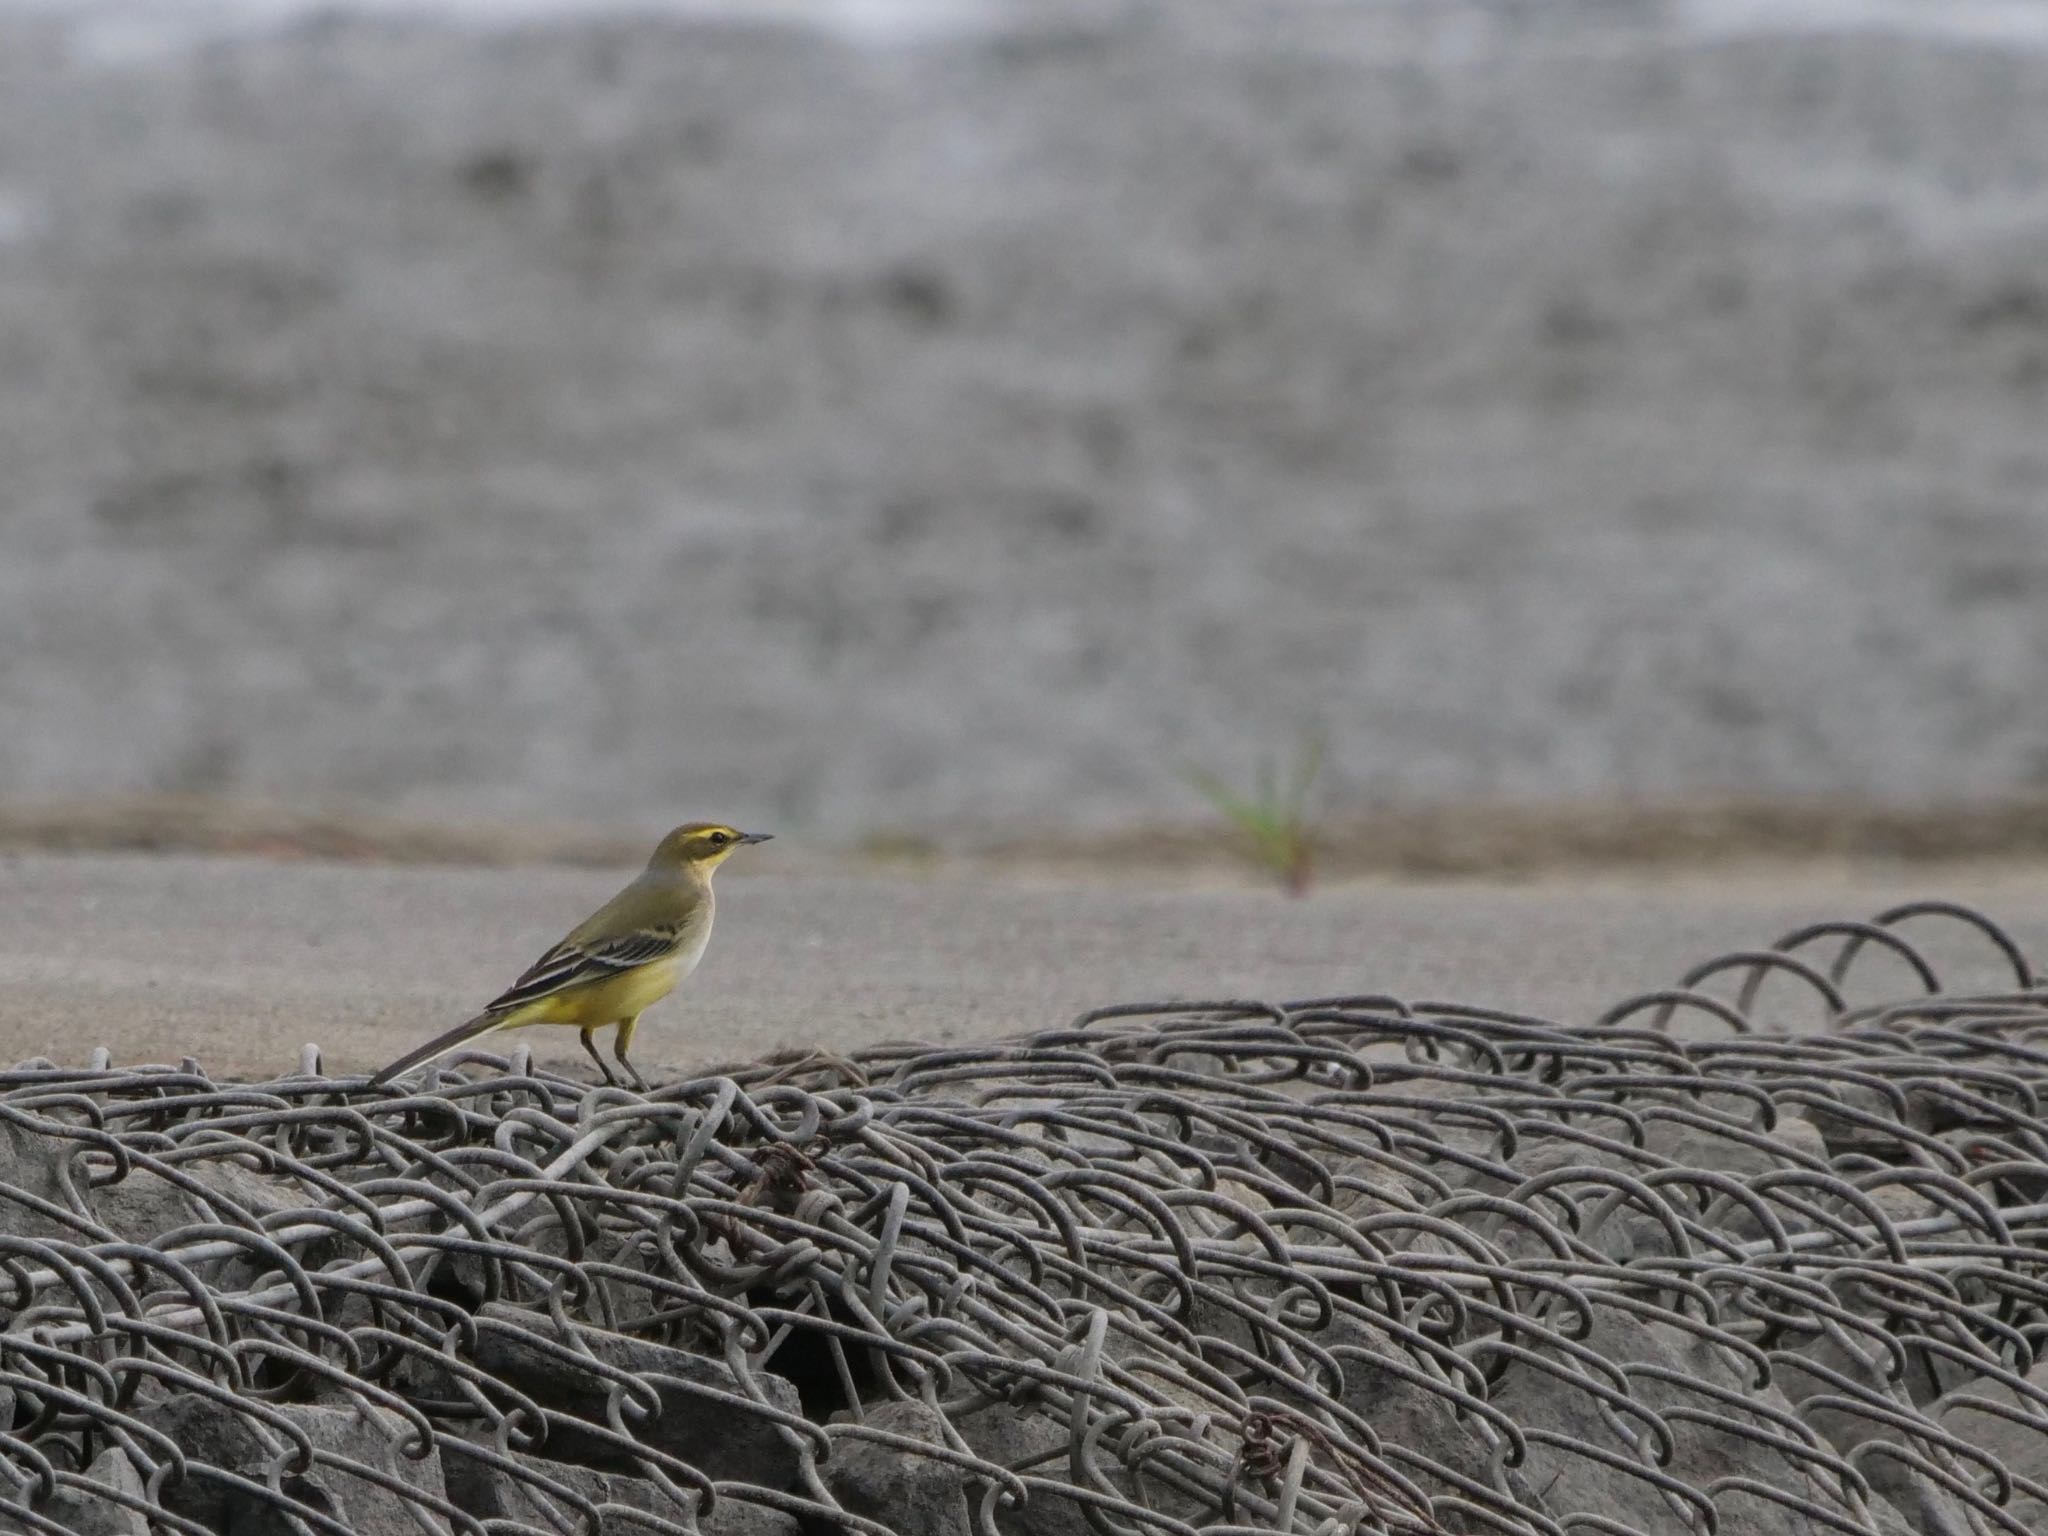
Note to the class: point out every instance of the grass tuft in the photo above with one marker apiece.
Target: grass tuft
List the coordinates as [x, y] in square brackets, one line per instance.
[1273, 819]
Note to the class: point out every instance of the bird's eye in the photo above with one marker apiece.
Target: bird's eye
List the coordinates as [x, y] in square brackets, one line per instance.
[719, 839]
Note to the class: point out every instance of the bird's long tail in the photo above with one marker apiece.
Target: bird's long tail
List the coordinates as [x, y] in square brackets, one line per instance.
[440, 1045]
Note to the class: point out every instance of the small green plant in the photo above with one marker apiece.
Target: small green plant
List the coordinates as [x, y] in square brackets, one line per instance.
[1273, 818]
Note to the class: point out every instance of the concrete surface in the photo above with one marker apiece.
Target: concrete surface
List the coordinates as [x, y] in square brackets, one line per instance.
[566, 423]
[241, 962]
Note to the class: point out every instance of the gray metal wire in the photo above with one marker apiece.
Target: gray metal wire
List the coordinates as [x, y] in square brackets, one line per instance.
[1340, 1265]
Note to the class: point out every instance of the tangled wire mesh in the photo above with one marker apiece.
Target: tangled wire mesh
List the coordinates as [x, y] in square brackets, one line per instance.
[1342, 1265]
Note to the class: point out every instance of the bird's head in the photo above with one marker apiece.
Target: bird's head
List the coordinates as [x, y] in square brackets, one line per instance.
[702, 846]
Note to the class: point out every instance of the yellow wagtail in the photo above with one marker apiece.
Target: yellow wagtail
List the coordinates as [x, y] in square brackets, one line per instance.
[621, 960]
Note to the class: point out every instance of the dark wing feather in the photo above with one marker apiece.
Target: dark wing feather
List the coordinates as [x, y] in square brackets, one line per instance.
[570, 964]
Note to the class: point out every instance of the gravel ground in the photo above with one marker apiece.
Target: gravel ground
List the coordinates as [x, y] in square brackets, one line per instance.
[241, 962]
[969, 429]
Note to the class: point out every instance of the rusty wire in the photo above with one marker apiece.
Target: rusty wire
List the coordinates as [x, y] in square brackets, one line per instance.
[1342, 1265]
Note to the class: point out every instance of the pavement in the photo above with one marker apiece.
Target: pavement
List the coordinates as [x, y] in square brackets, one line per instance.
[241, 962]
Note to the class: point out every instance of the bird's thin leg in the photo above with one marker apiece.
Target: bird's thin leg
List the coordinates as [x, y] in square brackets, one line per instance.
[620, 1041]
[590, 1045]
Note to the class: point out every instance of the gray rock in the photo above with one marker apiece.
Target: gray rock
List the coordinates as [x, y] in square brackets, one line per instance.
[1926, 1507]
[1863, 1125]
[735, 1517]
[1570, 1482]
[87, 1514]
[1400, 1411]
[1632, 1231]
[145, 1205]
[912, 1495]
[486, 1491]
[28, 1171]
[214, 1436]
[1629, 1232]
[722, 1440]
[1431, 1106]
[2021, 1448]
[482, 1489]
[1793, 1138]
[141, 1207]
[1026, 1437]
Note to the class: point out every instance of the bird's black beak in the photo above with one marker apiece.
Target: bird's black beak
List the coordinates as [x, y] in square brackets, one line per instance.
[757, 837]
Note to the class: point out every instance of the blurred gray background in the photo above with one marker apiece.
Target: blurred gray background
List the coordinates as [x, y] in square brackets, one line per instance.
[963, 417]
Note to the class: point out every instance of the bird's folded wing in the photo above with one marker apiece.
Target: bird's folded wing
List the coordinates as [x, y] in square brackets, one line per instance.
[570, 964]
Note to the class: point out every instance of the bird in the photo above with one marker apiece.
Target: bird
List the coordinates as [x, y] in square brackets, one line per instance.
[622, 959]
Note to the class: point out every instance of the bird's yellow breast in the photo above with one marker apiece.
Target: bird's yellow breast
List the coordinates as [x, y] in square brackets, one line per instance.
[602, 1002]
